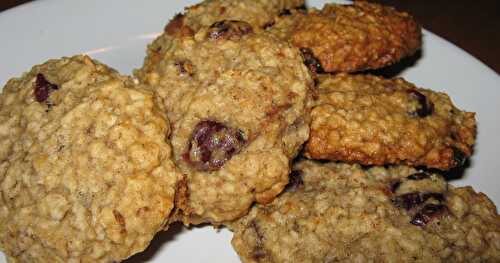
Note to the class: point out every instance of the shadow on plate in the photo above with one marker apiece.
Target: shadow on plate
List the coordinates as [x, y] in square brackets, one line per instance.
[457, 172]
[396, 69]
[160, 240]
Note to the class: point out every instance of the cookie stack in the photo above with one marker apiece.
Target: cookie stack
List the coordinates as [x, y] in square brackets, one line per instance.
[266, 117]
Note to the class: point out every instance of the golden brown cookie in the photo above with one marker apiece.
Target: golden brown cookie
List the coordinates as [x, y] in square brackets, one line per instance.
[86, 173]
[257, 13]
[238, 104]
[375, 121]
[336, 212]
[348, 38]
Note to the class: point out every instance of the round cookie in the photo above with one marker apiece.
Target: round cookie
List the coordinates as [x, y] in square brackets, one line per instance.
[86, 173]
[348, 38]
[375, 121]
[335, 212]
[238, 104]
[257, 13]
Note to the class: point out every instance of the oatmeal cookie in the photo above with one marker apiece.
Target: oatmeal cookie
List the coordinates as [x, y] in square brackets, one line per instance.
[238, 104]
[86, 173]
[257, 13]
[375, 121]
[348, 38]
[336, 212]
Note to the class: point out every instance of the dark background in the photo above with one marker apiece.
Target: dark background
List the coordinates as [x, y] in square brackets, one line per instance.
[471, 25]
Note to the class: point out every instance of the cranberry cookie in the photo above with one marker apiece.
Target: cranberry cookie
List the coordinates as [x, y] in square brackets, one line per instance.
[86, 173]
[375, 121]
[257, 13]
[238, 104]
[337, 212]
[347, 38]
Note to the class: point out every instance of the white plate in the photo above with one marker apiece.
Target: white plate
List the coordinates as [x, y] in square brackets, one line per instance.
[117, 31]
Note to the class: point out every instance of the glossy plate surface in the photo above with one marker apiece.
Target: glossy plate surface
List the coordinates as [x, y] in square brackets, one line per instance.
[116, 32]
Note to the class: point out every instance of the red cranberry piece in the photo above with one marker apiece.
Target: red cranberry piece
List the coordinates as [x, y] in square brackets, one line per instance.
[425, 108]
[311, 62]
[411, 200]
[43, 88]
[427, 214]
[229, 29]
[408, 201]
[212, 144]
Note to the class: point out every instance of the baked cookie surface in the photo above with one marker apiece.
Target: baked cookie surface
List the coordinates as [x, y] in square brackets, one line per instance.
[257, 13]
[375, 121]
[337, 212]
[86, 173]
[348, 38]
[238, 104]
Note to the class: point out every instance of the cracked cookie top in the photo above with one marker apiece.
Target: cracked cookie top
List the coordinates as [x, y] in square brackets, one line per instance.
[334, 212]
[238, 101]
[86, 172]
[257, 13]
[348, 38]
[375, 121]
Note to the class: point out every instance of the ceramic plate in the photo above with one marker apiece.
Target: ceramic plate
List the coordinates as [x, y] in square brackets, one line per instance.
[116, 32]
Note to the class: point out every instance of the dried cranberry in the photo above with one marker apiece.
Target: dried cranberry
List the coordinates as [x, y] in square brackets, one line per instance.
[425, 108]
[311, 62]
[418, 176]
[212, 144]
[411, 200]
[229, 29]
[408, 201]
[427, 214]
[43, 88]
[295, 181]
